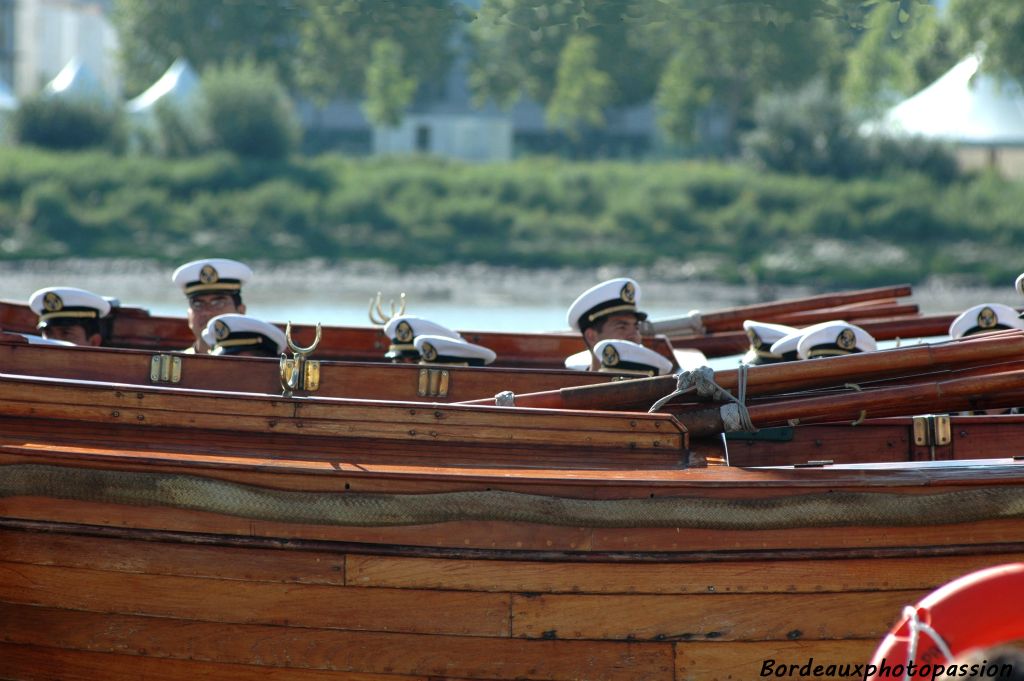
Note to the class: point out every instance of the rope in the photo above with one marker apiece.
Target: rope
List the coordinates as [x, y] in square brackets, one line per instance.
[916, 626]
[863, 412]
[735, 416]
[191, 492]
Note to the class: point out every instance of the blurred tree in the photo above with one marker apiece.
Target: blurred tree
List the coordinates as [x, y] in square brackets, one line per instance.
[725, 55]
[388, 91]
[518, 45]
[337, 41]
[246, 111]
[903, 49]
[995, 25]
[582, 91]
[153, 33]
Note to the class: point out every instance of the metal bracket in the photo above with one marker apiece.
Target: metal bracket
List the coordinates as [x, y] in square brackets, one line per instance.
[433, 383]
[165, 369]
[300, 373]
[932, 429]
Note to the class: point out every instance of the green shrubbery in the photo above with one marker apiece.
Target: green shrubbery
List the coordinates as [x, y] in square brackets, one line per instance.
[68, 123]
[809, 132]
[246, 111]
[726, 222]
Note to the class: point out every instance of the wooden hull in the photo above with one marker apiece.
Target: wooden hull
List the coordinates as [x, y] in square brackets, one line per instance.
[150, 532]
[366, 380]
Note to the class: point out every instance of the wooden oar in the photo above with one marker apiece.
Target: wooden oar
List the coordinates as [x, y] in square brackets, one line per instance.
[736, 342]
[849, 314]
[789, 376]
[1005, 389]
[732, 318]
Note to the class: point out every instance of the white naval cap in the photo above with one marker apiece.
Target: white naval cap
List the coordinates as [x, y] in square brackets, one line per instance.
[834, 338]
[1019, 284]
[762, 336]
[212, 275]
[446, 350]
[608, 297]
[67, 303]
[580, 361]
[404, 329]
[627, 357]
[985, 317]
[230, 334]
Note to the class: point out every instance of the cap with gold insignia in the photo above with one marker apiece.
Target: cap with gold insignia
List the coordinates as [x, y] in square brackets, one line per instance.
[68, 304]
[213, 275]
[404, 329]
[230, 334]
[446, 350]
[609, 297]
[627, 357]
[762, 336]
[786, 346]
[834, 338]
[985, 317]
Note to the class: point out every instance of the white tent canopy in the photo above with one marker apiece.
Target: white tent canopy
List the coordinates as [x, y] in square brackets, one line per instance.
[963, 106]
[75, 80]
[178, 85]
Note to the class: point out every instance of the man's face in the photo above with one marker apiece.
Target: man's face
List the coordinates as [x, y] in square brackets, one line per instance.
[204, 307]
[72, 333]
[619, 326]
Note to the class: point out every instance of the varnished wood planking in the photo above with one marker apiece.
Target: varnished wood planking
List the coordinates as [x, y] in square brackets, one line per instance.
[252, 374]
[643, 539]
[724, 617]
[724, 661]
[783, 576]
[369, 653]
[236, 601]
[36, 663]
[32, 397]
[168, 558]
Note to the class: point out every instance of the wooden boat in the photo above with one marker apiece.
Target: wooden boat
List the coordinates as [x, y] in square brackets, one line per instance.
[720, 332]
[367, 380]
[158, 532]
[131, 327]
[904, 438]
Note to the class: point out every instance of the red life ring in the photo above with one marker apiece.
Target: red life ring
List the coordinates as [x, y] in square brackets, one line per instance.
[982, 609]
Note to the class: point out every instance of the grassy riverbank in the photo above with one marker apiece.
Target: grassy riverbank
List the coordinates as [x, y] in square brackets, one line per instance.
[707, 221]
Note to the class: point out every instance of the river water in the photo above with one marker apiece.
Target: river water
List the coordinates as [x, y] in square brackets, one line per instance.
[474, 297]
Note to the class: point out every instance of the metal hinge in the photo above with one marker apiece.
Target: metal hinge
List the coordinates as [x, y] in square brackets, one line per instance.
[932, 430]
[433, 383]
[165, 369]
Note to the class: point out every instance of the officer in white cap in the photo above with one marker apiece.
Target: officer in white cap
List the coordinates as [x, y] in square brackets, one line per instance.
[70, 314]
[213, 287]
[452, 351]
[404, 329]
[763, 336]
[830, 339]
[607, 311]
[984, 318]
[239, 334]
[626, 357]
